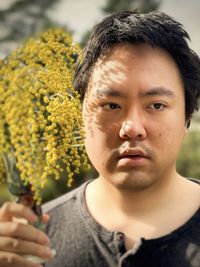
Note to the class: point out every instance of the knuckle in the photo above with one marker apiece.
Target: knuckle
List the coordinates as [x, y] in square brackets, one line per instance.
[40, 237]
[7, 258]
[5, 207]
[11, 258]
[15, 227]
[14, 244]
[23, 209]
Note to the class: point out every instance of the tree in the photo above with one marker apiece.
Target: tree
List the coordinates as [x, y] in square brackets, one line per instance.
[22, 19]
[143, 6]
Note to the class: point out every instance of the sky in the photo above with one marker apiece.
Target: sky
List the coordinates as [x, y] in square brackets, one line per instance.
[81, 15]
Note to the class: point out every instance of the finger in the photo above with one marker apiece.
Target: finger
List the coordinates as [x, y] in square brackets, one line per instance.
[26, 232]
[14, 245]
[12, 209]
[45, 218]
[10, 259]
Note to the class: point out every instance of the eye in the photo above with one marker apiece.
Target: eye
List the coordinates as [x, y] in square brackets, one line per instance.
[158, 106]
[110, 106]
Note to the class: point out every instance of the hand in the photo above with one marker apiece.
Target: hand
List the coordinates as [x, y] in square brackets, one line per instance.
[17, 239]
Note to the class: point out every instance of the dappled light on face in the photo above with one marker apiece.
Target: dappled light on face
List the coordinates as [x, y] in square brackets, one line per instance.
[107, 74]
[138, 87]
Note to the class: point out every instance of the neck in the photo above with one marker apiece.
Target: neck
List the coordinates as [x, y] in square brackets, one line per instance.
[146, 213]
[133, 202]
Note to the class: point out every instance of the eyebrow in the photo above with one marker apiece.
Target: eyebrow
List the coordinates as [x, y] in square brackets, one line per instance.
[109, 92]
[157, 91]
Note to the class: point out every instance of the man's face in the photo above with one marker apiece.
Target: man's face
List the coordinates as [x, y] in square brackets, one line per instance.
[134, 116]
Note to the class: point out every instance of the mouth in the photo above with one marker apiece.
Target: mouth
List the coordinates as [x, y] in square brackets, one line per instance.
[133, 153]
[133, 157]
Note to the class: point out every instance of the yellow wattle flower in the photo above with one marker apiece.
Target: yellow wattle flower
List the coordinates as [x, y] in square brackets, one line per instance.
[41, 126]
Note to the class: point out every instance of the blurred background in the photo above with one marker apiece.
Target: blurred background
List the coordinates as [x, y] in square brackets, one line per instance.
[21, 19]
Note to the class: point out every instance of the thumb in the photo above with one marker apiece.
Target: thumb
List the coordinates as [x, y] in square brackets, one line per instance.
[45, 218]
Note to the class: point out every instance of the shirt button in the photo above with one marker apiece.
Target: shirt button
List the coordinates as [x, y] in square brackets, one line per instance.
[120, 237]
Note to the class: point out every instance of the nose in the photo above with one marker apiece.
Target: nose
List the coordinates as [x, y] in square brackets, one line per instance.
[132, 129]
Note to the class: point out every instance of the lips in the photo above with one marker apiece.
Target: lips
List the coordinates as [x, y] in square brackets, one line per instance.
[133, 158]
[133, 153]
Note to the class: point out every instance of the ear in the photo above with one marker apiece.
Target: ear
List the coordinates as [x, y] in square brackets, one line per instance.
[187, 125]
[186, 130]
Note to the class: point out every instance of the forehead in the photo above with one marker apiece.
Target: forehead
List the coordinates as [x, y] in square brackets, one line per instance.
[130, 63]
[122, 56]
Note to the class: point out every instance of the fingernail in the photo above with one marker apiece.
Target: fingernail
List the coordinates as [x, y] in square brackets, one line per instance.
[48, 253]
[32, 216]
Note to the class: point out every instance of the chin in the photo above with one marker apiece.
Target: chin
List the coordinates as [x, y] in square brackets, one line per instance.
[133, 183]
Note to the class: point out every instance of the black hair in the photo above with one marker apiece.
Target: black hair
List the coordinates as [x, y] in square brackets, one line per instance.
[156, 29]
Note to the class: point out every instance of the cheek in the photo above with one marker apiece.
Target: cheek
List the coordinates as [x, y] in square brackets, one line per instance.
[98, 127]
[170, 138]
[88, 121]
[164, 138]
[100, 143]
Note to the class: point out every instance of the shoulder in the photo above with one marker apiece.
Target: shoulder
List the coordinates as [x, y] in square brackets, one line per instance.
[66, 214]
[195, 180]
[63, 201]
[193, 188]
[68, 227]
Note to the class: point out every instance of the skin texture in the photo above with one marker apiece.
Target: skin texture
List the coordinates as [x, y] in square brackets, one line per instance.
[147, 103]
[134, 114]
[17, 238]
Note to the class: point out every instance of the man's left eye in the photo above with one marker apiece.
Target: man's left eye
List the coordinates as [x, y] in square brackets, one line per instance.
[157, 106]
[111, 106]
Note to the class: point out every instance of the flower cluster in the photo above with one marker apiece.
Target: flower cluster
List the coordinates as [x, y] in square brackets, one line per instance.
[40, 112]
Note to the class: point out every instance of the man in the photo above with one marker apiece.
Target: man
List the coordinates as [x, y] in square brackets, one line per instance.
[140, 85]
